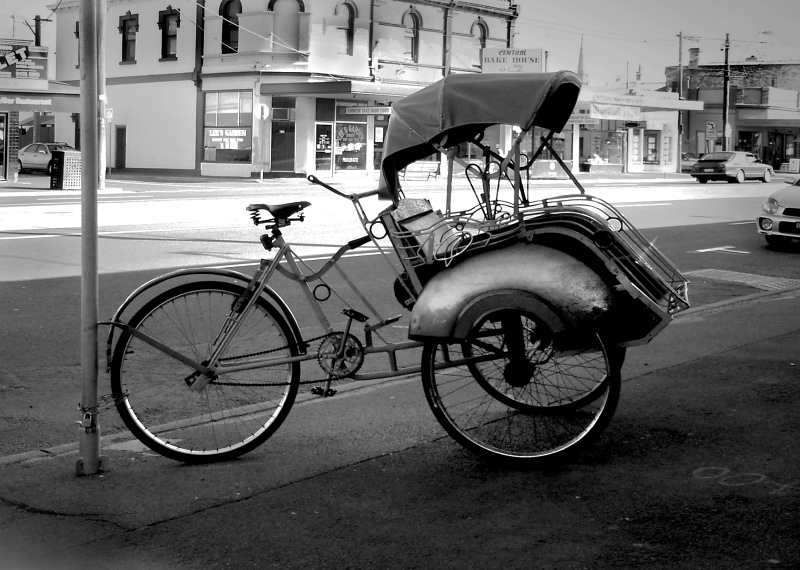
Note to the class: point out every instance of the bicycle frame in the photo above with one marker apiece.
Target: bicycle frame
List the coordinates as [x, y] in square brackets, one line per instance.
[258, 285]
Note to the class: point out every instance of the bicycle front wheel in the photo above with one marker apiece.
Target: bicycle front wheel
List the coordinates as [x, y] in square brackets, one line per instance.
[235, 412]
[511, 392]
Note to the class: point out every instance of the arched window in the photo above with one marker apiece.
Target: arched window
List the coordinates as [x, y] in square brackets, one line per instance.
[230, 11]
[286, 24]
[349, 12]
[412, 21]
[480, 31]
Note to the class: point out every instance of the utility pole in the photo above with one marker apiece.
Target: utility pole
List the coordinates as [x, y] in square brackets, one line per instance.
[726, 78]
[680, 98]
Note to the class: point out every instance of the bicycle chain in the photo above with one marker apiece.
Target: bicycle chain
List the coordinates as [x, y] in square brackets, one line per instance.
[307, 343]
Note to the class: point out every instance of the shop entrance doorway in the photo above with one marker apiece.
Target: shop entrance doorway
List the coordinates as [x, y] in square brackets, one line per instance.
[121, 139]
[324, 149]
[282, 152]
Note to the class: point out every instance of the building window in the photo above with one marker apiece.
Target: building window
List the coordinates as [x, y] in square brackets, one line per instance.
[346, 20]
[412, 22]
[169, 21]
[228, 126]
[230, 11]
[480, 31]
[128, 26]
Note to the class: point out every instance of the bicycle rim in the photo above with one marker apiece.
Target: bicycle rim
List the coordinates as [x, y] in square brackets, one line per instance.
[235, 412]
[545, 411]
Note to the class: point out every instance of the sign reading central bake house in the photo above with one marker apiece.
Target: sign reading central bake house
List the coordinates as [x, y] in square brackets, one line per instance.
[512, 60]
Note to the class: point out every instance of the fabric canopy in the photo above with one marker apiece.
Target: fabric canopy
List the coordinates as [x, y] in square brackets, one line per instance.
[460, 107]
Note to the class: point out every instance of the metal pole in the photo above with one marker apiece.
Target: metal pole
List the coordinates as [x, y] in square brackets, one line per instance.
[726, 77]
[101, 90]
[680, 98]
[90, 461]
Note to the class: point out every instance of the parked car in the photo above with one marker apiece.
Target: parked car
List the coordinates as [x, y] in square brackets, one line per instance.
[39, 156]
[780, 221]
[688, 160]
[732, 166]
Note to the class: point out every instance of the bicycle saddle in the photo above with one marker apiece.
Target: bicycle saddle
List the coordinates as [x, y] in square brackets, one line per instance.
[280, 211]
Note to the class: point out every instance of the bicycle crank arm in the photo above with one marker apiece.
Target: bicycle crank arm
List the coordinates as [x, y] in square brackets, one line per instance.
[207, 373]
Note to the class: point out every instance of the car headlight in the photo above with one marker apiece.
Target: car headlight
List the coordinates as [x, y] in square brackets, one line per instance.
[770, 206]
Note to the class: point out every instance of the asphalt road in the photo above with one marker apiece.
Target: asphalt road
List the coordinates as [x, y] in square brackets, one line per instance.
[697, 470]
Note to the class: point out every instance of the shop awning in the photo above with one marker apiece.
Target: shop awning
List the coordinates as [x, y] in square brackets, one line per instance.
[645, 102]
[339, 89]
[59, 98]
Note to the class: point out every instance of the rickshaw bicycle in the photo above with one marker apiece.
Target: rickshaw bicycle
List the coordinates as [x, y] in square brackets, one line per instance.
[522, 309]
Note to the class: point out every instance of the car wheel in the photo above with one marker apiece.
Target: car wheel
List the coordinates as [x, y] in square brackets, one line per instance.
[740, 176]
[767, 176]
[777, 241]
[20, 170]
[702, 180]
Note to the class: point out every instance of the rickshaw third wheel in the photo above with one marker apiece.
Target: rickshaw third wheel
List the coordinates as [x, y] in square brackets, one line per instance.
[543, 409]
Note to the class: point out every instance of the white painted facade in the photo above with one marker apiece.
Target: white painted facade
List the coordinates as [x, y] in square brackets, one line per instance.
[308, 62]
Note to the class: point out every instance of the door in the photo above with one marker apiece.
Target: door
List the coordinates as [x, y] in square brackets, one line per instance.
[324, 148]
[282, 153]
[121, 145]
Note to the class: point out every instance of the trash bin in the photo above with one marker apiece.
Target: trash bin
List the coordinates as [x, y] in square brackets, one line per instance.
[66, 171]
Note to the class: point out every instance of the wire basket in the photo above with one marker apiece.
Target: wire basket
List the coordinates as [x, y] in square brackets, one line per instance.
[422, 236]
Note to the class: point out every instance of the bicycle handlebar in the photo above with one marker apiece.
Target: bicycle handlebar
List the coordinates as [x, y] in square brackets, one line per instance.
[356, 195]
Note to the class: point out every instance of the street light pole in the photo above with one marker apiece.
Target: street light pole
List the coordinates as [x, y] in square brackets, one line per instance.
[726, 78]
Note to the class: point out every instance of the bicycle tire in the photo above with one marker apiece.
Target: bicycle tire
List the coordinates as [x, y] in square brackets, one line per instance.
[234, 413]
[504, 411]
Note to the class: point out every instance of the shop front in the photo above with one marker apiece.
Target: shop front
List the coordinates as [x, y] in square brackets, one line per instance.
[775, 141]
[25, 92]
[627, 133]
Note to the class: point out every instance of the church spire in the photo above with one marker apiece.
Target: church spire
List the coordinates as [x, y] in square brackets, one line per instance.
[581, 73]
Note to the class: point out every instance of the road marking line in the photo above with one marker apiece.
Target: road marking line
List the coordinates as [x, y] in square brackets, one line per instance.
[720, 249]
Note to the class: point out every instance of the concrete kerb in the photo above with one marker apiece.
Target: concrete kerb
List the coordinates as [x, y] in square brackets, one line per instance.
[354, 387]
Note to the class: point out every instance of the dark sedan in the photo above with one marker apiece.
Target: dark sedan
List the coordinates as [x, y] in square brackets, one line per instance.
[731, 166]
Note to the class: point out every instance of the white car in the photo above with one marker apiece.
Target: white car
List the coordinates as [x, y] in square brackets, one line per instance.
[780, 221]
[39, 156]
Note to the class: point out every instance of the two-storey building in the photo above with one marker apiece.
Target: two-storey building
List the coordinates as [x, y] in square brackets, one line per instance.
[283, 87]
[763, 106]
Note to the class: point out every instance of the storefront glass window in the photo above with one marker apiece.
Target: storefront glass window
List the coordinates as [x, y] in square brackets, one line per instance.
[350, 148]
[228, 129]
[749, 141]
[3, 123]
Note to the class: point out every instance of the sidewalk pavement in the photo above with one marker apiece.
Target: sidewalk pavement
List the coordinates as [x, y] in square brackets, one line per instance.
[700, 468]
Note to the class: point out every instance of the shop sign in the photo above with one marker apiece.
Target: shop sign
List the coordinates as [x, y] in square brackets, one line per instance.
[582, 119]
[615, 112]
[368, 111]
[794, 165]
[17, 103]
[512, 60]
[23, 62]
[227, 138]
[616, 99]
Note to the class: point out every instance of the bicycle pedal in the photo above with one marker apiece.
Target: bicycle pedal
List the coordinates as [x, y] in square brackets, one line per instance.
[329, 392]
[318, 390]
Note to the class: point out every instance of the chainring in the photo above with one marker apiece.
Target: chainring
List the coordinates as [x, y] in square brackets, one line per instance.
[349, 363]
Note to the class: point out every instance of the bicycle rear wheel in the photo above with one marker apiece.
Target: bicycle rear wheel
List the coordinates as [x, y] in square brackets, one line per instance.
[533, 404]
[235, 412]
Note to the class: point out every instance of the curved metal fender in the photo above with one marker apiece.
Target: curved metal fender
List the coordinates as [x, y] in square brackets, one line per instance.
[194, 273]
[561, 290]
